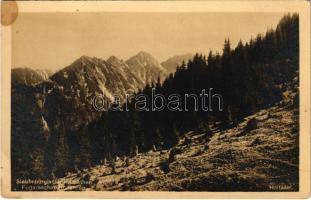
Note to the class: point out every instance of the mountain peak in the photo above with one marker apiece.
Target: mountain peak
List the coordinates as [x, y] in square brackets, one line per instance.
[143, 54]
[143, 58]
[114, 60]
[84, 58]
[147, 67]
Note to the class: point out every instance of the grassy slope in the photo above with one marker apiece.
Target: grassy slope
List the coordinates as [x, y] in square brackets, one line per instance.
[265, 158]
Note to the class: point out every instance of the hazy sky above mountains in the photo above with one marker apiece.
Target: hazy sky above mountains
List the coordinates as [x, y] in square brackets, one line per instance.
[53, 41]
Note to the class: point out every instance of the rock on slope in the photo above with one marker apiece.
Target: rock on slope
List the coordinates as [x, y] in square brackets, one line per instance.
[263, 158]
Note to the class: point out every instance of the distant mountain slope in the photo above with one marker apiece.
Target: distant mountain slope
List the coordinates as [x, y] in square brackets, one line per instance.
[146, 67]
[46, 73]
[171, 64]
[27, 76]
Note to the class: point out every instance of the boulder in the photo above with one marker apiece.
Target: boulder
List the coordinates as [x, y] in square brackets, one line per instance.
[251, 125]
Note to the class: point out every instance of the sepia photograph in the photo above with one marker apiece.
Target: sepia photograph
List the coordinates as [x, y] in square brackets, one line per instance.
[157, 99]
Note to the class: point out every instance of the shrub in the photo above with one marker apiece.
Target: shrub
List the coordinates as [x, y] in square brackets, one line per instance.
[251, 125]
[296, 101]
[165, 166]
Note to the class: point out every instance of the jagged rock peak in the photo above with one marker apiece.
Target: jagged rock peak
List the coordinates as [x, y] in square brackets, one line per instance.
[84, 58]
[87, 60]
[145, 56]
[114, 60]
[143, 53]
[145, 59]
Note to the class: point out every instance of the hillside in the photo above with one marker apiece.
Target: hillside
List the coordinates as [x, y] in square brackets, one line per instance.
[244, 158]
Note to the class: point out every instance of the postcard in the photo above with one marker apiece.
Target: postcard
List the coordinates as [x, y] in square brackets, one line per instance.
[155, 99]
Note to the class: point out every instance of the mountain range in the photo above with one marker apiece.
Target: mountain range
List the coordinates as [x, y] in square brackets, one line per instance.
[138, 70]
[87, 77]
[48, 109]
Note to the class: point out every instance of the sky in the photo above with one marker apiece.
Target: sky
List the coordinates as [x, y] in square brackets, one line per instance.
[54, 40]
